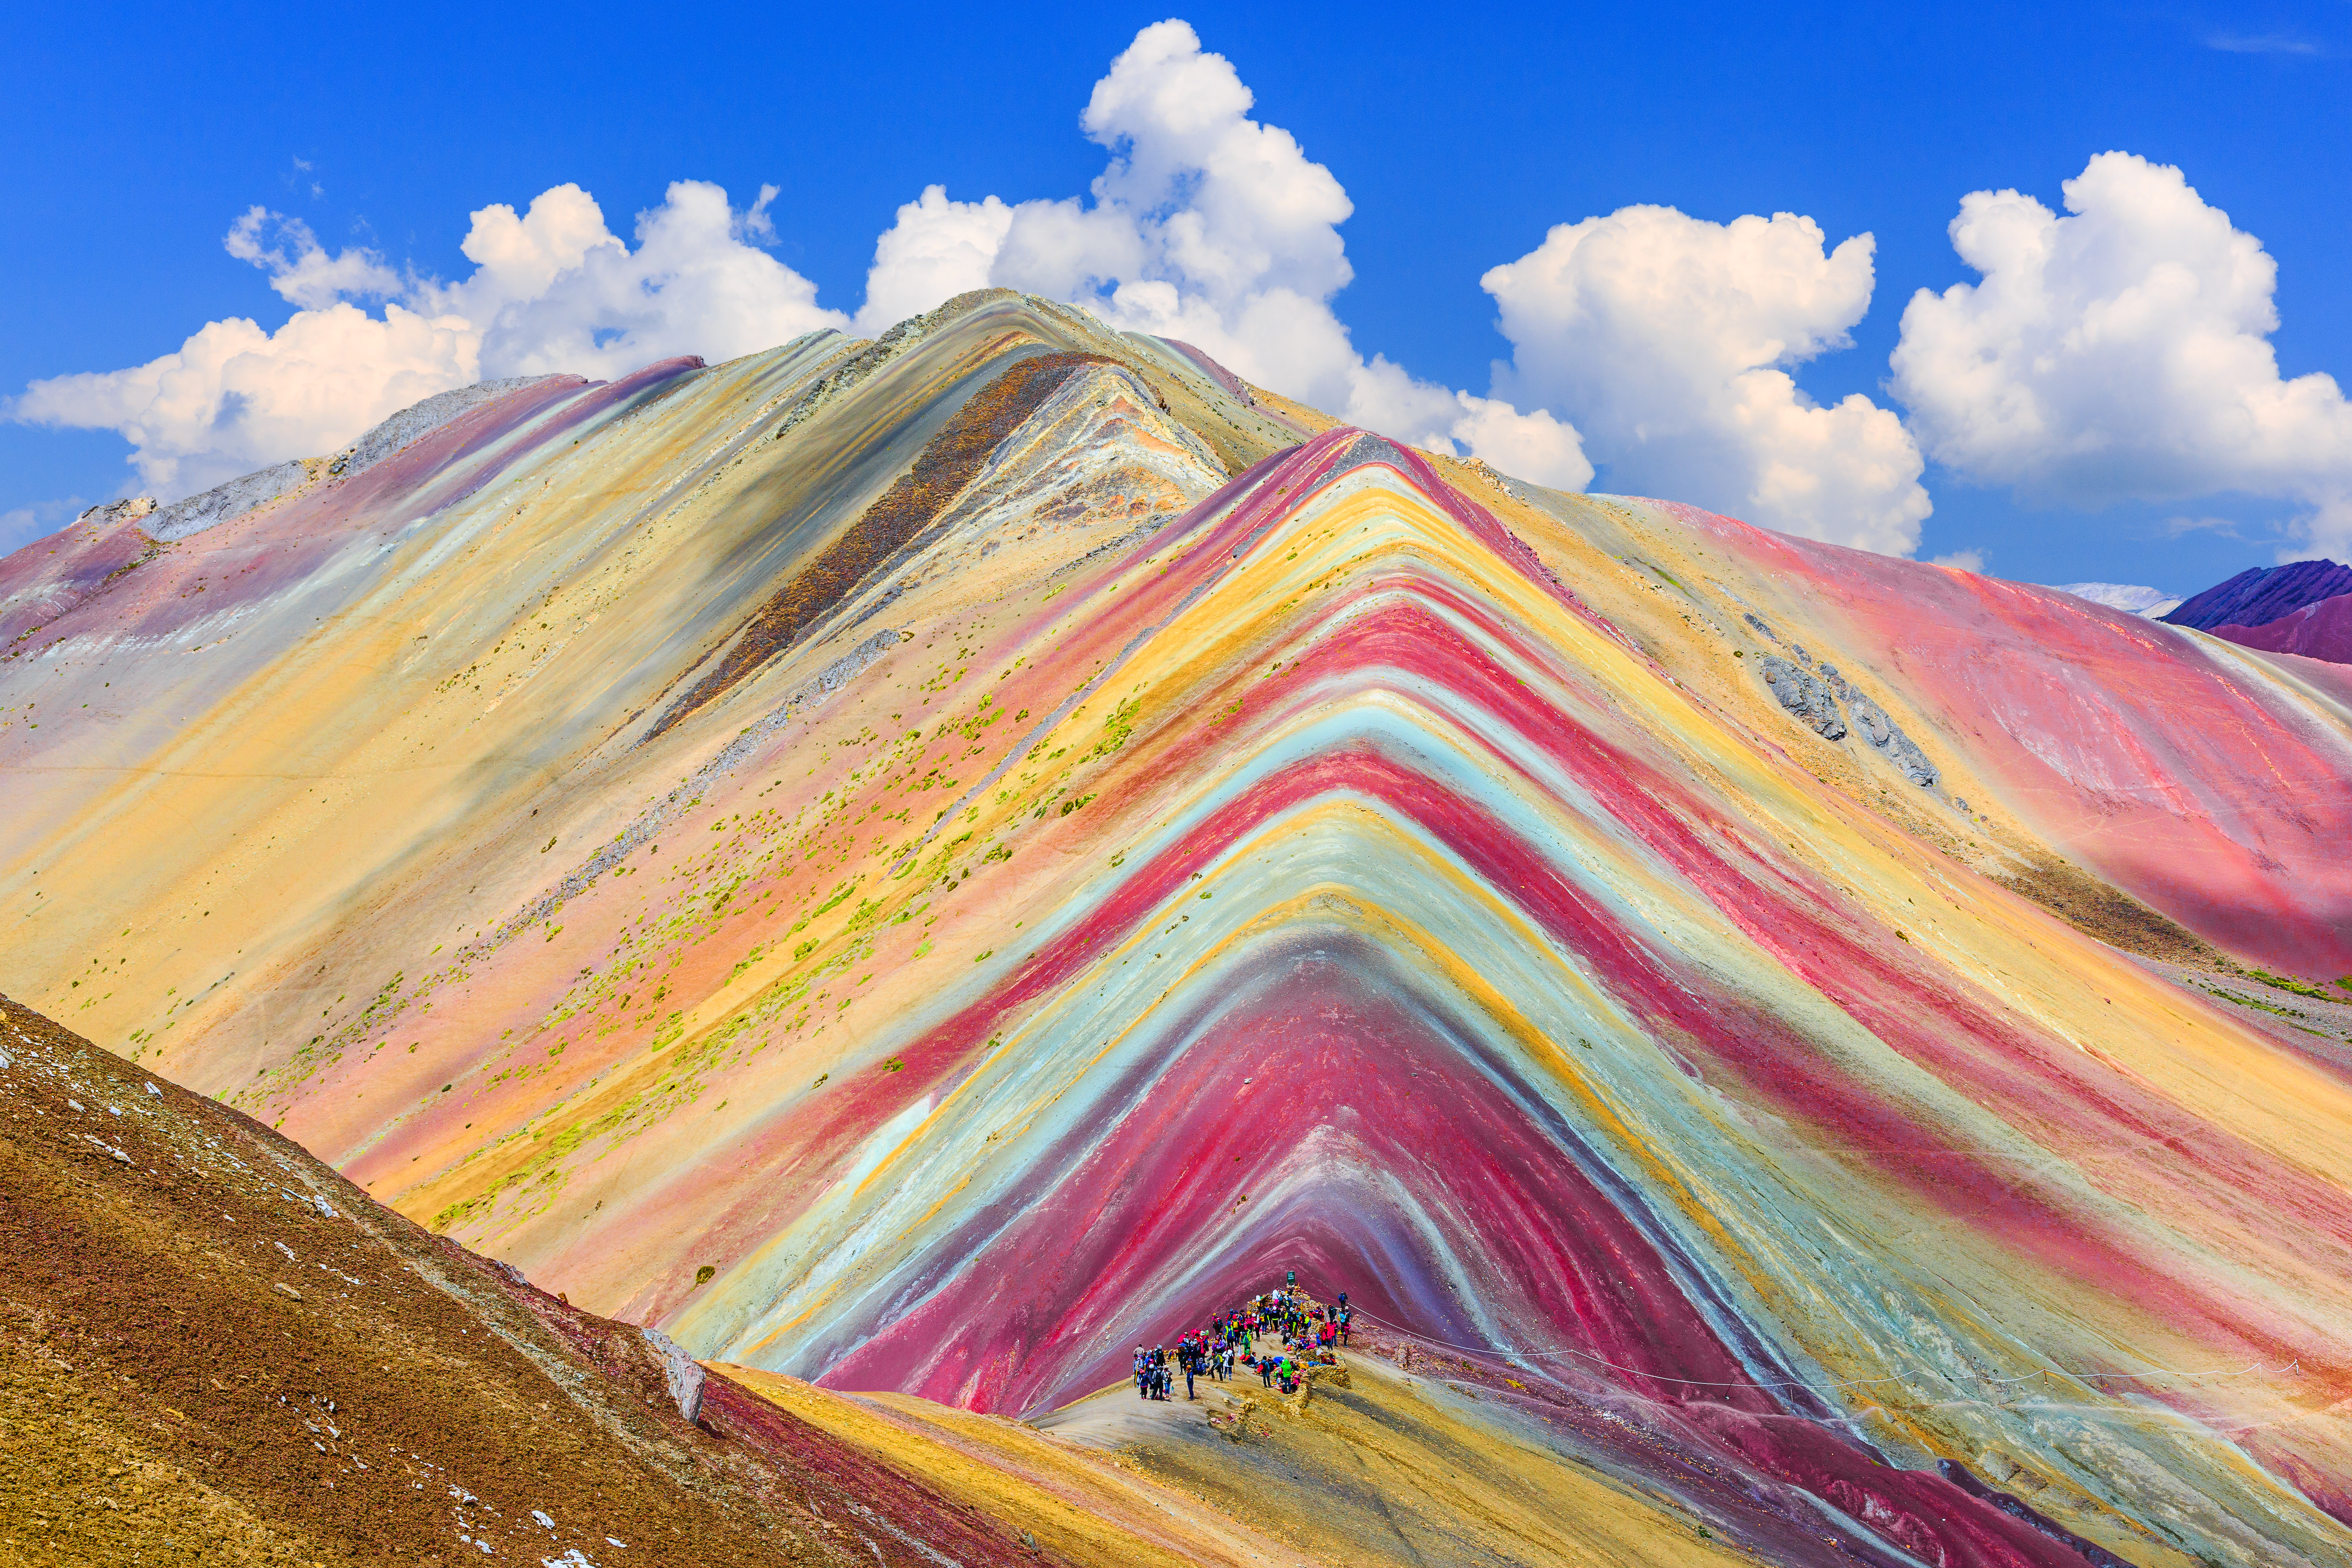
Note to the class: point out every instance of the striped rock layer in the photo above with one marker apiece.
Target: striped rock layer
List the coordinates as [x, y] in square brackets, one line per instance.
[919, 865]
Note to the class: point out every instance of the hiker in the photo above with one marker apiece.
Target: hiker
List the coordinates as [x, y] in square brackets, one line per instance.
[1308, 1333]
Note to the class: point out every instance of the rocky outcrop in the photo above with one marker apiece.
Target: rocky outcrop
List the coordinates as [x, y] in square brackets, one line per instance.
[1814, 698]
[112, 512]
[1804, 694]
[422, 419]
[681, 1373]
[213, 507]
[1882, 732]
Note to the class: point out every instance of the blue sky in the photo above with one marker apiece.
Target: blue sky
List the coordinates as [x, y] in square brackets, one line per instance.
[138, 134]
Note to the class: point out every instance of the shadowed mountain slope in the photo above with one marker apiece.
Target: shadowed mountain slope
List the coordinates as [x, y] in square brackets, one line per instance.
[1843, 1041]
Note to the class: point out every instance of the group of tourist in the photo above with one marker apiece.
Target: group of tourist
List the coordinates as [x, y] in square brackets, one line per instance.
[1306, 1331]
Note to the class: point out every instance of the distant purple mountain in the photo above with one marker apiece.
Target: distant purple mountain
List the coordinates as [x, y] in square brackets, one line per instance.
[2319, 630]
[2260, 595]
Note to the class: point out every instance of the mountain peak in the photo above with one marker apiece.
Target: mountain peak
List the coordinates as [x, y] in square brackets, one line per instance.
[912, 867]
[2260, 595]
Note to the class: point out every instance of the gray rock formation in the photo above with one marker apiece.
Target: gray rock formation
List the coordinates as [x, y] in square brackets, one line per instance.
[235, 499]
[1815, 698]
[114, 512]
[422, 419]
[1882, 732]
[684, 1373]
[1804, 694]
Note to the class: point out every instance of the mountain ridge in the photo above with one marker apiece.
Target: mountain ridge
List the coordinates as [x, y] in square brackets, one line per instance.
[2260, 595]
[1581, 926]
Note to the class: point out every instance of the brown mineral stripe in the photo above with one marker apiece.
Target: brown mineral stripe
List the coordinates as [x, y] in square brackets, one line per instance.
[951, 461]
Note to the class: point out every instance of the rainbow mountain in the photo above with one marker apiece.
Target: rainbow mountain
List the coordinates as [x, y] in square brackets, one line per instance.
[913, 866]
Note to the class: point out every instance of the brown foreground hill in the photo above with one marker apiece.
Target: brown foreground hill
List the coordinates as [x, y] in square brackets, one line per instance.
[214, 1349]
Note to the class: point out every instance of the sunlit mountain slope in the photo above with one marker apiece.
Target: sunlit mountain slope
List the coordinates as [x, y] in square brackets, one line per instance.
[915, 865]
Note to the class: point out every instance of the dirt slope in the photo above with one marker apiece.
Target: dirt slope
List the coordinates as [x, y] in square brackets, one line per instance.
[215, 1349]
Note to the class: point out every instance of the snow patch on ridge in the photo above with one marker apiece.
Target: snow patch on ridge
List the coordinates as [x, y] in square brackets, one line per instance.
[2130, 598]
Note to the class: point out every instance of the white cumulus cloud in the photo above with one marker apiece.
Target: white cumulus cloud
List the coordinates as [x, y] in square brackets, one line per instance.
[234, 398]
[938, 249]
[300, 269]
[1213, 227]
[2121, 352]
[552, 290]
[1666, 339]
